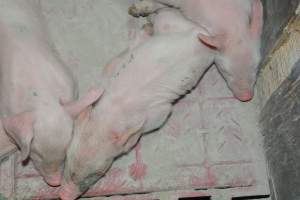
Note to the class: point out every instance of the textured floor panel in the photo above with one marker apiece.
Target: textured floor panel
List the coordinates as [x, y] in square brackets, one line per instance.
[211, 142]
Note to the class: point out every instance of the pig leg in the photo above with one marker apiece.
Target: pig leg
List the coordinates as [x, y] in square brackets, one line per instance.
[144, 8]
[170, 20]
[142, 35]
[138, 36]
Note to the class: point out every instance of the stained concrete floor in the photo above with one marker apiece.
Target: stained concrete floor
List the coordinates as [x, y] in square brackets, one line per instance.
[211, 145]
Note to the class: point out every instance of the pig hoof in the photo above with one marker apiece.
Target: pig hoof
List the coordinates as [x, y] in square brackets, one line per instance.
[69, 192]
[148, 28]
[136, 12]
[53, 181]
[133, 11]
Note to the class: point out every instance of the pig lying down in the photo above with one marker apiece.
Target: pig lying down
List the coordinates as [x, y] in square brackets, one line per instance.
[145, 81]
[37, 92]
[236, 27]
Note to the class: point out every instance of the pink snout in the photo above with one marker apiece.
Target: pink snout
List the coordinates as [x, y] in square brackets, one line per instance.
[53, 180]
[245, 96]
[69, 191]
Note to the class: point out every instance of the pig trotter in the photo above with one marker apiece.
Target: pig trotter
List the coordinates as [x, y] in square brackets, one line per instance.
[136, 12]
[144, 8]
[133, 11]
[148, 28]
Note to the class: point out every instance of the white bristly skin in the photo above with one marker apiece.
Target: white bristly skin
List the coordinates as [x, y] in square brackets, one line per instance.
[234, 28]
[36, 89]
[144, 82]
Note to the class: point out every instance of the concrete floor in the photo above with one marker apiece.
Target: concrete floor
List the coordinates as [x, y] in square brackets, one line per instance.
[211, 145]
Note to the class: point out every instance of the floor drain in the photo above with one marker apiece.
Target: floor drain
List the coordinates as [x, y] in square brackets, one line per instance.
[251, 197]
[195, 198]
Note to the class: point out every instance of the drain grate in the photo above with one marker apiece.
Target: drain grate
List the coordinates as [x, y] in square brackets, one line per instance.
[252, 197]
[195, 198]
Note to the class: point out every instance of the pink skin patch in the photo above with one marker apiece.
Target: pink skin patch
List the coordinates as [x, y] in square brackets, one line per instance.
[69, 191]
[53, 180]
[138, 170]
[246, 96]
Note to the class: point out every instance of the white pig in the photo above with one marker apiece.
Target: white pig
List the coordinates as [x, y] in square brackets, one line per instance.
[7, 147]
[146, 80]
[37, 91]
[234, 28]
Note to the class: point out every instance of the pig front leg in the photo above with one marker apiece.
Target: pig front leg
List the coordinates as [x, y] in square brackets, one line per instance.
[142, 35]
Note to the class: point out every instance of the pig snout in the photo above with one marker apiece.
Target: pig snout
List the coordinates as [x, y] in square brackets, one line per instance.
[240, 90]
[242, 93]
[245, 96]
[51, 171]
[69, 191]
[53, 180]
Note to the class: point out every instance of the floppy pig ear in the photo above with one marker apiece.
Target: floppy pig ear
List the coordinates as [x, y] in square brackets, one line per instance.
[20, 129]
[215, 42]
[74, 108]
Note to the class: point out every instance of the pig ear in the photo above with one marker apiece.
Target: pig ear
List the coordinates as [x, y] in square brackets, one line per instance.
[75, 108]
[130, 133]
[20, 129]
[256, 23]
[215, 42]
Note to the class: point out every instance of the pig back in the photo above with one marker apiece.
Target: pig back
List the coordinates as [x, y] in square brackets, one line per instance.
[28, 77]
[30, 70]
[162, 69]
[218, 16]
[23, 18]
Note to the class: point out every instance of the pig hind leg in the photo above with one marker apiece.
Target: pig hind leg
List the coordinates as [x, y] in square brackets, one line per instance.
[141, 36]
[144, 8]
